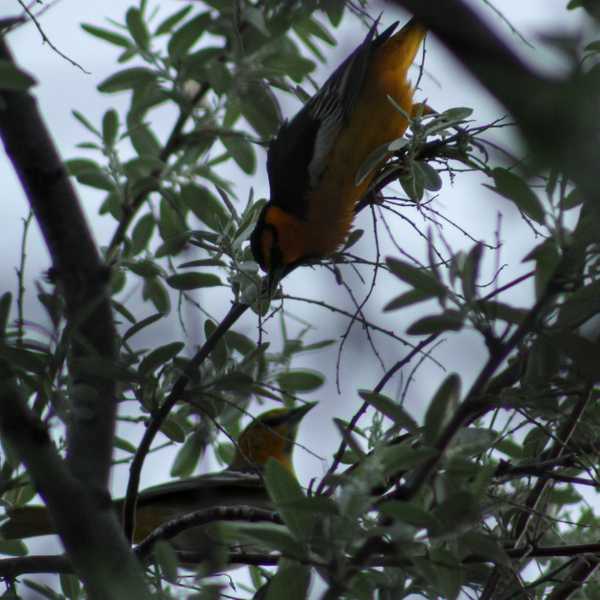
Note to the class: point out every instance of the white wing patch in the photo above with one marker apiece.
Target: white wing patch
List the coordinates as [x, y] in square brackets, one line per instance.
[330, 113]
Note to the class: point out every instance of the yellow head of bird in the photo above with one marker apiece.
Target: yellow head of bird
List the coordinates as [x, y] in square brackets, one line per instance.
[271, 435]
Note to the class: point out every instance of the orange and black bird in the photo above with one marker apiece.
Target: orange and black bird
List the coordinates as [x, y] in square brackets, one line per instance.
[313, 161]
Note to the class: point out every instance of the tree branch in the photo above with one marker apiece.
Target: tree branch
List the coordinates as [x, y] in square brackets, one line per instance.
[558, 117]
[248, 514]
[87, 525]
[80, 272]
[235, 312]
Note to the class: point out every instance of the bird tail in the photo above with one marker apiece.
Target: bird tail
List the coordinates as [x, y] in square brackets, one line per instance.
[399, 51]
[27, 521]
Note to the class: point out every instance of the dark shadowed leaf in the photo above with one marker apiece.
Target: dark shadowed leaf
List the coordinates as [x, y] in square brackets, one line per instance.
[192, 281]
[159, 357]
[420, 279]
[108, 36]
[450, 320]
[284, 490]
[513, 187]
[300, 380]
[126, 79]
[441, 408]
[291, 582]
[13, 78]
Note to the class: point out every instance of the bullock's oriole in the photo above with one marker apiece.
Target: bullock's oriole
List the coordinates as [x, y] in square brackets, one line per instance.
[313, 162]
[271, 435]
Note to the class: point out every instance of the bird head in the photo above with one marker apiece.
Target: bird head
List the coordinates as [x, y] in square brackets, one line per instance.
[271, 435]
[277, 243]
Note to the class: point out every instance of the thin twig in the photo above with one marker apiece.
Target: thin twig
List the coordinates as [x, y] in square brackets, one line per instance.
[46, 39]
[154, 424]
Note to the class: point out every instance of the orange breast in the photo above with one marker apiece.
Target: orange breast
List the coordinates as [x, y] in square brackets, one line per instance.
[374, 122]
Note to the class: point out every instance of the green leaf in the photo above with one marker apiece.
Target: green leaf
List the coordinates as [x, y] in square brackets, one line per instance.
[334, 10]
[142, 325]
[284, 490]
[187, 35]
[449, 320]
[431, 178]
[142, 232]
[126, 79]
[479, 545]
[547, 258]
[125, 445]
[23, 358]
[290, 63]
[137, 28]
[300, 380]
[13, 548]
[120, 308]
[310, 26]
[166, 559]
[573, 199]
[406, 299]
[220, 354]
[470, 272]
[498, 310]
[261, 109]
[274, 537]
[447, 573]
[70, 585]
[5, 302]
[143, 268]
[372, 161]
[144, 141]
[447, 119]
[241, 151]
[291, 581]
[472, 441]
[205, 206]
[420, 279]
[457, 114]
[159, 357]
[108, 36]
[441, 408]
[85, 122]
[80, 166]
[99, 180]
[413, 183]
[172, 430]
[192, 281]
[110, 127]
[511, 186]
[13, 78]
[409, 513]
[580, 306]
[188, 455]
[390, 409]
[397, 458]
[581, 351]
[154, 291]
[170, 22]
[458, 513]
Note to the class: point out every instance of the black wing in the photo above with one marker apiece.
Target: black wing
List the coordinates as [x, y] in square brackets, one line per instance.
[297, 156]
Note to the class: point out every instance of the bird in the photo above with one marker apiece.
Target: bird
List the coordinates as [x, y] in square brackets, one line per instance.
[313, 162]
[271, 435]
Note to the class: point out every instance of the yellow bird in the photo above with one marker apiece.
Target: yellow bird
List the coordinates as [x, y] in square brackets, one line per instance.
[270, 435]
[313, 162]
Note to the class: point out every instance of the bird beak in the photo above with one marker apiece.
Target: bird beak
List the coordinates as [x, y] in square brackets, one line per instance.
[274, 278]
[297, 414]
